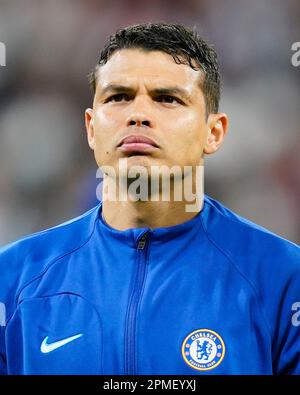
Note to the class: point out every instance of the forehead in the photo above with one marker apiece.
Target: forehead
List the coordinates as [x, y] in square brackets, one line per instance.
[155, 68]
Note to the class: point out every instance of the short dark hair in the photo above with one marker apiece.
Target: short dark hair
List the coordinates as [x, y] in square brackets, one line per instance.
[183, 44]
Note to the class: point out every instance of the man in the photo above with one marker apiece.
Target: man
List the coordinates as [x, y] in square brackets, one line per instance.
[144, 285]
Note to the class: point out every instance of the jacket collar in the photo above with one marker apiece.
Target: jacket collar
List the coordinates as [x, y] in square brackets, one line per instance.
[131, 236]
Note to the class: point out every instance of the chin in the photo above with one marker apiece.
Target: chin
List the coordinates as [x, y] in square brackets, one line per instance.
[140, 160]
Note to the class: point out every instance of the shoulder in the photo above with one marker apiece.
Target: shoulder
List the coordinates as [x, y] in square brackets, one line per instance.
[268, 262]
[56, 239]
[27, 257]
[244, 241]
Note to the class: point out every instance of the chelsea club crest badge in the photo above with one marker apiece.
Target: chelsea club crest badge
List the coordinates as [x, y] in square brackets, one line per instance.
[203, 349]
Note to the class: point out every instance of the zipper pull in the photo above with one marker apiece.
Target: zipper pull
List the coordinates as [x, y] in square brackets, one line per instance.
[142, 241]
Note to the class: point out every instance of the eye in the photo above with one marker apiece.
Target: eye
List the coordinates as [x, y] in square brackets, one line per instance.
[117, 98]
[167, 99]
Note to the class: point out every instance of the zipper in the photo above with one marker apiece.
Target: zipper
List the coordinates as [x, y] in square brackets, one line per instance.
[130, 343]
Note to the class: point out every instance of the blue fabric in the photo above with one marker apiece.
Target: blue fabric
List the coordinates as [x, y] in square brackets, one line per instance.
[137, 299]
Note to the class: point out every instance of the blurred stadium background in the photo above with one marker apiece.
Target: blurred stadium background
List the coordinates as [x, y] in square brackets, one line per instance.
[48, 173]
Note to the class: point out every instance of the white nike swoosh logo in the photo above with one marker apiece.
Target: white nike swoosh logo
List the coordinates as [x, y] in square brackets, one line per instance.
[48, 347]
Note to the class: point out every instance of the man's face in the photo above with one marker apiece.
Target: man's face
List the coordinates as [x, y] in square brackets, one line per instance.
[149, 95]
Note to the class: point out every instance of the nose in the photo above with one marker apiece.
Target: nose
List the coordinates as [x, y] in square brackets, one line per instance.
[138, 116]
[138, 120]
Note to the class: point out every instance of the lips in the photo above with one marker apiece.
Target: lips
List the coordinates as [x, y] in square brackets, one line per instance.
[137, 139]
[137, 143]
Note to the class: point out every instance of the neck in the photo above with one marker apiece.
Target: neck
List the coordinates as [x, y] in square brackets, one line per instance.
[123, 213]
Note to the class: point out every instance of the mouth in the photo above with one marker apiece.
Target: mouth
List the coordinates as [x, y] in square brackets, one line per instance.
[137, 144]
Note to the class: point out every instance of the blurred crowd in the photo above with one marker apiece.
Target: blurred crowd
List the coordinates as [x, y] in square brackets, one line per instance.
[47, 171]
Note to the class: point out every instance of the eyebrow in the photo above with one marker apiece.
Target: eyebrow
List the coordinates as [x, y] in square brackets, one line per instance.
[173, 90]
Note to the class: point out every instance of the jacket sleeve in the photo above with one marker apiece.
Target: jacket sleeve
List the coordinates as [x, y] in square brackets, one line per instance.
[3, 369]
[2, 324]
[6, 279]
[287, 335]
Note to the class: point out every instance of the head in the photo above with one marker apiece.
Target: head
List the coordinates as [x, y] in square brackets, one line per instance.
[159, 81]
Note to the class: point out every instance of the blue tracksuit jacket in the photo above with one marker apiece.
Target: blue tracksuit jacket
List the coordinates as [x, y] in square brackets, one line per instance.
[214, 295]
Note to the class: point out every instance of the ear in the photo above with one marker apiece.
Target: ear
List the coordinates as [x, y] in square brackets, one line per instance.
[217, 129]
[89, 125]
